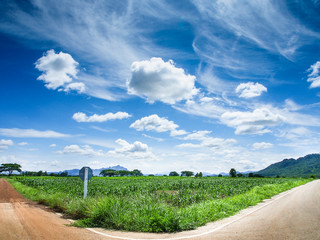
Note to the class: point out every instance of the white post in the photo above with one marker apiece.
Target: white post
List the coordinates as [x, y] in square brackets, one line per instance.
[85, 182]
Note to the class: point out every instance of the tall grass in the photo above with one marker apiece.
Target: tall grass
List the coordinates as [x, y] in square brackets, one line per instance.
[151, 204]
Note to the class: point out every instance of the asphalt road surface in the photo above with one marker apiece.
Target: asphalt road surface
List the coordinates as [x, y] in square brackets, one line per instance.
[291, 215]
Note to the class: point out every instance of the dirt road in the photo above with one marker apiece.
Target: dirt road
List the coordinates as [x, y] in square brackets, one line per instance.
[290, 215]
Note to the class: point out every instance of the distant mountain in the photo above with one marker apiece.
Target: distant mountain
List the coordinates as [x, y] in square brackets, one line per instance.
[96, 172]
[301, 167]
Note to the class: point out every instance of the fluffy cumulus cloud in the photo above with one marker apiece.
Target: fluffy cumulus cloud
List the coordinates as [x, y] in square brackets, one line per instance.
[158, 124]
[135, 150]
[314, 76]
[58, 71]
[262, 145]
[85, 150]
[250, 89]
[157, 80]
[30, 133]
[252, 122]
[82, 117]
[4, 144]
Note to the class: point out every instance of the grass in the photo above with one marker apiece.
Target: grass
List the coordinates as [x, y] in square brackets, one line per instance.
[151, 204]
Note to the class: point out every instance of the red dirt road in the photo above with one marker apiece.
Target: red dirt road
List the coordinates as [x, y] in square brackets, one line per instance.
[291, 215]
[25, 220]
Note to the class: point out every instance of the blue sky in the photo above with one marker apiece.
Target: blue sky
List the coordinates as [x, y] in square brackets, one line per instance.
[159, 85]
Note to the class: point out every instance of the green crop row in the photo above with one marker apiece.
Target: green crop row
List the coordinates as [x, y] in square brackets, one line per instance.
[151, 204]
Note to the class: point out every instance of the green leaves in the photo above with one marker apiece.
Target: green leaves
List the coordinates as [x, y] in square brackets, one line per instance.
[10, 167]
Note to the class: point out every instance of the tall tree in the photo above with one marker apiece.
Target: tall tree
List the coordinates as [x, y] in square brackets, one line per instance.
[10, 167]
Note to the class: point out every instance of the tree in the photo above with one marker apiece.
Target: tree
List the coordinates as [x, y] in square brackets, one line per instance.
[187, 173]
[233, 172]
[64, 174]
[122, 173]
[136, 173]
[198, 175]
[220, 175]
[250, 174]
[10, 167]
[108, 173]
[173, 174]
[240, 175]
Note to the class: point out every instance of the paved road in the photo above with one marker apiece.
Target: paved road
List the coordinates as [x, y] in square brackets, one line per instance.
[291, 215]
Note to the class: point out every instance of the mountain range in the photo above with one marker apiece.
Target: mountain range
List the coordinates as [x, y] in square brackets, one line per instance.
[301, 167]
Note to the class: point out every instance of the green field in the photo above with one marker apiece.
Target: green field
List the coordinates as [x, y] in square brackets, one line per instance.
[151, 204]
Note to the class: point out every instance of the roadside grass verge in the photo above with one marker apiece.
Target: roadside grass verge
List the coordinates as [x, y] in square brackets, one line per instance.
[147, 212]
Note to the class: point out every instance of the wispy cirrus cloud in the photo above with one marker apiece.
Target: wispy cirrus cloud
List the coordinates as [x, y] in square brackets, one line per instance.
[31, 133]
[314, 76]
[5, 143]
[100, 34]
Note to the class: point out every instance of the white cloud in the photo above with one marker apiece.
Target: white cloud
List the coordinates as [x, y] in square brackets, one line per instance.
[22, 143]
[9, 159]
[127, 147]
[135, 150]
[158, 124]
[77, 86]
[4, 144]
[82, 117]
[314, 77]
[58, 71]
[153, 138]
[262, 145]
[53, 145]
[283, 36]
[252, 122]
[30, 133]
[189, 145]
[295, 133]
[85, 150]
[161, 81]
[292, 106]
[314, 69]
[219, 145]
[250, 89]
[197, 135]
[210, 107]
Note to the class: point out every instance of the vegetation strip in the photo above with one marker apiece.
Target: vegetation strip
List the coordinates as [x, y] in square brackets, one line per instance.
[151, 204]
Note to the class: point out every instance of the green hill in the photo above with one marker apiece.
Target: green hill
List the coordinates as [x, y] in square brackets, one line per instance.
[301, 167]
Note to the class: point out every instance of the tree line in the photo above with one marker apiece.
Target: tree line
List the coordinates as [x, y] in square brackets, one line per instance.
[11, 167]
[120, 173]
